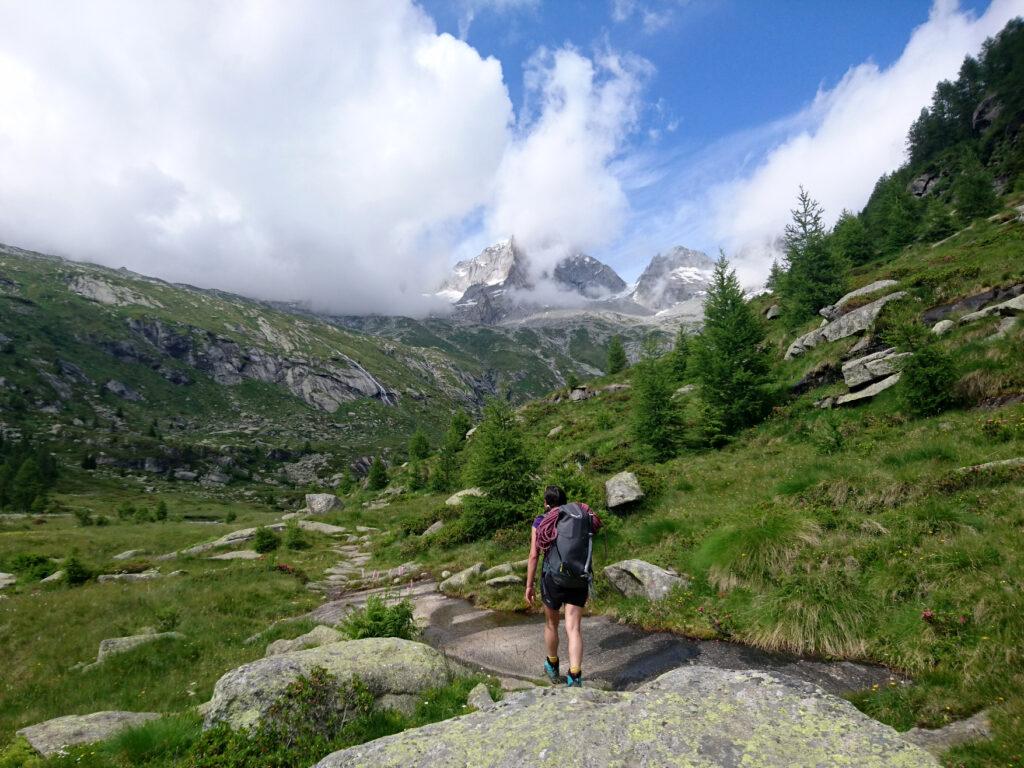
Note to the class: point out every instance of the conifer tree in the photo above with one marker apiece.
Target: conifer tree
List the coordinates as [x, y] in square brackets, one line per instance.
[27, 484]
[377, 478]
[937, 223]
[815, 274]
[850, 241]
[616, 355]
[657, 422]
[419, 445]
[730, 365]
[680, 354]
[974, 194]
[500, 464]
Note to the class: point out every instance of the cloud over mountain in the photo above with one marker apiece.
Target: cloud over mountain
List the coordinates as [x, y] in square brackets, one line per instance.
[320, 150]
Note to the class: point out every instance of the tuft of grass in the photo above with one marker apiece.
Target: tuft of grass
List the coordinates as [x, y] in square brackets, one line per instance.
[756, 551]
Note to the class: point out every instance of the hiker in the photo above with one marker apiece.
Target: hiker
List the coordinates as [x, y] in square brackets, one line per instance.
[564, 533]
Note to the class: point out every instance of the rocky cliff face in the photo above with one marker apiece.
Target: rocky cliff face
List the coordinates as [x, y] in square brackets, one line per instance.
[674, 277]
[324, 384]
[588, 277]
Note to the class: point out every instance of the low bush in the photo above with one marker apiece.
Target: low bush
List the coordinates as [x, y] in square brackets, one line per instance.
[293, 538]
[929, 379]
[75, 572]
[378, 619]
[266, 540]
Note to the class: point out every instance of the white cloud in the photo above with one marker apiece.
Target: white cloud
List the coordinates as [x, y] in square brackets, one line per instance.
[320, 150]
[470, 9]
[556, 189]
[847, 137]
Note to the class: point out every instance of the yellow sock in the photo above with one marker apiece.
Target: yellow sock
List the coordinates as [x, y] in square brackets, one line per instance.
[575, 671]
[553, 661]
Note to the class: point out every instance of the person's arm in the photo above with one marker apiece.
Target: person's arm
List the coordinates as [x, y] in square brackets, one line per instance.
[531, 566]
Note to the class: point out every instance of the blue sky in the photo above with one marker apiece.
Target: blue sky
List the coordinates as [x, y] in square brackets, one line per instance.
[722, 66]
[347, 152]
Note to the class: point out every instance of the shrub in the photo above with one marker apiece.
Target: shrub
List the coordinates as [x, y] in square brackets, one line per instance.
[928, 382]
[126, 511]
[230, 517]
[32, 566]
[161, 510]
[483, 516]
[315, 716]
[75, 572]
[266, 540]
[83, 517]
[378, 619]
[167, 619]
[293, 538]
[377, 479]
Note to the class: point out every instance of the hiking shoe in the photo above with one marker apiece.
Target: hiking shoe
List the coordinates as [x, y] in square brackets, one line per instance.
[552, 672]
[574, 681]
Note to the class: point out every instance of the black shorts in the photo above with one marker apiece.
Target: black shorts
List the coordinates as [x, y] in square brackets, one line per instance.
[554, 596]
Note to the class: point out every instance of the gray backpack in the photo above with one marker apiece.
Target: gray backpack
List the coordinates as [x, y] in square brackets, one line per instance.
[568, 560]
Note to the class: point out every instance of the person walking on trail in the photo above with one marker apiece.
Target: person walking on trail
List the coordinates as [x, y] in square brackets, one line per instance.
[564, 534]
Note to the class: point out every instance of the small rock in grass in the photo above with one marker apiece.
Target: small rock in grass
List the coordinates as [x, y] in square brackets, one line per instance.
[622, 489]
[50, 737]
[461, 578]
[480, 697]
[511, 580]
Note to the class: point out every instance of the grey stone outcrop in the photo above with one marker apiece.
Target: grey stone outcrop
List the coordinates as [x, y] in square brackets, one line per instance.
[321, 503]
[148, 575]
[870, 391]
[835, 310]
[622, 489]
[50, 737]
[638, 578]
[939, 740]
[396, 671]
[687, 717]
[319, 635]
[877, 365]
[462, 578]
[855, 321]
[456, 499]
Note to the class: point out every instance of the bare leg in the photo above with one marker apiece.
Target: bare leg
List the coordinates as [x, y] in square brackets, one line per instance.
[551, 631]
[573, 617]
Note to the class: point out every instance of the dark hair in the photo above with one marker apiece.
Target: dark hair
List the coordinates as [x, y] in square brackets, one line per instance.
[554, 496]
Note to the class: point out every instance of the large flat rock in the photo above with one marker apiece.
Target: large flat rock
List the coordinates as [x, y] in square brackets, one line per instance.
[688, 717]
[51, 736]
[854, 321]
[395, 671]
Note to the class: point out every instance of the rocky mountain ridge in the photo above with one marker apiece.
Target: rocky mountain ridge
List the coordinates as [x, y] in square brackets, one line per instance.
[498, 286]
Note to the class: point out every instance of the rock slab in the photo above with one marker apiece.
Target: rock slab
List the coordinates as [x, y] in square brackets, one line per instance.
[622, 489]
[855, 321]
[395, 670]
[7, 580]
[49, 737]
[461, 579]
[321, 503]
[638, 578]
[877, 365]
[870, 391]
[938, 740]
[687, 717]
[456, 499]
[115, 645]
[319, 635]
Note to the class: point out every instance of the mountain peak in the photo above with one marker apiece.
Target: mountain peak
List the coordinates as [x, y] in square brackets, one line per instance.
[676, 276]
